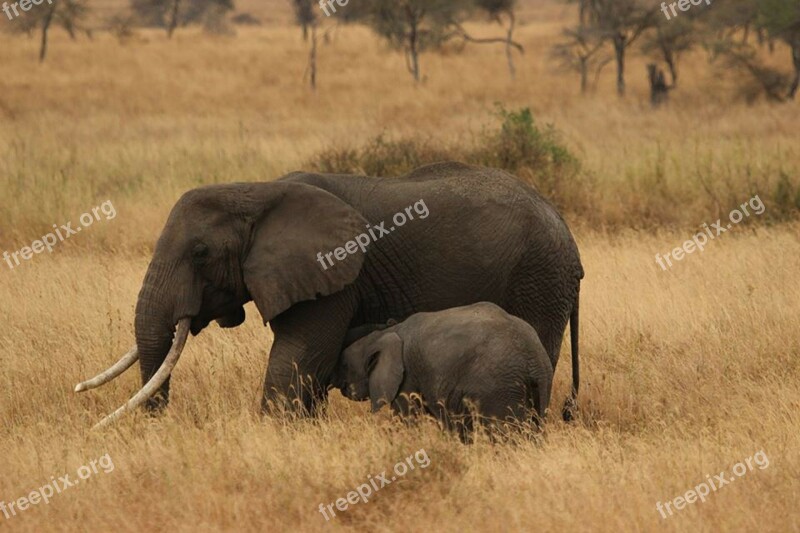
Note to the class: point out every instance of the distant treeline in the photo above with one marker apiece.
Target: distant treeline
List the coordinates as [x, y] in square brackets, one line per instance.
[737, 35]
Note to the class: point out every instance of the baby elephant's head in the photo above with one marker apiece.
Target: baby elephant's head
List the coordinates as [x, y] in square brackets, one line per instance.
[352, 377]
[372, 367]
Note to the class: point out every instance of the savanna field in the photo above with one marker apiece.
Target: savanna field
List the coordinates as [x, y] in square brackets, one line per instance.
[685, 371]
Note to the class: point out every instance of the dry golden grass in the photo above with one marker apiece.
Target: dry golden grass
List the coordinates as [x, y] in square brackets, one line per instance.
[685, 372]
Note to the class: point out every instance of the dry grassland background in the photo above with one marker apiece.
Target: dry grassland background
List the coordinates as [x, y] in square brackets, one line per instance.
[685, 372]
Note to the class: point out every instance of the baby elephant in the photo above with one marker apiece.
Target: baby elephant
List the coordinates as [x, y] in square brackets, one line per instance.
[473, 356]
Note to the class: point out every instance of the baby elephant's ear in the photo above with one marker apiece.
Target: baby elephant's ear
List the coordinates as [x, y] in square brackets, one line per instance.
[385, 379]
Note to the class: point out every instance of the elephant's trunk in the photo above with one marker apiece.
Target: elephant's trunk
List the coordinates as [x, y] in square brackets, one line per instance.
[154, 326]
[159, 314]
[158, 379]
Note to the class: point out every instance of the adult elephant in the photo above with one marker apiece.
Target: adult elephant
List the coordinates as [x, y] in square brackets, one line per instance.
[486, 237]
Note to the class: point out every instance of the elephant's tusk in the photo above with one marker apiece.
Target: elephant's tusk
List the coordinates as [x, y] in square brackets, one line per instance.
[158, 378]
[118, 368]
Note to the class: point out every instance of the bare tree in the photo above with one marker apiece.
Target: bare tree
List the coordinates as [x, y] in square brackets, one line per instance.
[496, 10]
[316, 30]
[307, 15]
[173, 18]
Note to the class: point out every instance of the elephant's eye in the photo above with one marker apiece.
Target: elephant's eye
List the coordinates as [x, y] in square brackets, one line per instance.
[199, 252]
[371, 362]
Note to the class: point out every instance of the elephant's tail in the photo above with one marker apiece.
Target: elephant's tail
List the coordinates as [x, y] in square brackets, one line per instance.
[571, 405]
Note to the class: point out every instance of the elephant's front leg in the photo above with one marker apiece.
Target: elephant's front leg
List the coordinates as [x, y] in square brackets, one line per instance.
[308, 341]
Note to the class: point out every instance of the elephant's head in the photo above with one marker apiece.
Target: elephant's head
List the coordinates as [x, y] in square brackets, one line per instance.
[372, 367]
[222, 246]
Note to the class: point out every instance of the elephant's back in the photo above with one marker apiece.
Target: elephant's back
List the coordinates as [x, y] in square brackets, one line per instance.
[495, 196]
[473, 184]
[485, 215]
[477, 184]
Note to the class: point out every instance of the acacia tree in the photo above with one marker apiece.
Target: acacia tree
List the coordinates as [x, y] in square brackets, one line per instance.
[417, 26]
[170, 14]
[760, 78]
[621, 22]
[732, 19]
[582, 51]
[781, 20]
[160, 13]
[304, 14]
[773, 21]
[669, 41]
[68, 14]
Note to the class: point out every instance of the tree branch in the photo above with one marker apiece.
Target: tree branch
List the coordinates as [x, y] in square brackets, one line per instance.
[461, 32]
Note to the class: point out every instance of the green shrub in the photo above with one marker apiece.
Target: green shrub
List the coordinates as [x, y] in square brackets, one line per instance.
[522, 148]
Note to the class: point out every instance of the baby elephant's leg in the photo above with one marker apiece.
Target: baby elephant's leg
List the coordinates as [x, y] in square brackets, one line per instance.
[442, 415]
[502, 413]
[408, 408]
[456, 414]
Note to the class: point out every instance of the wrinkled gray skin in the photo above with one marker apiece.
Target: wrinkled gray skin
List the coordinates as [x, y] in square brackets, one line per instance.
[476, 354]
[488, 237]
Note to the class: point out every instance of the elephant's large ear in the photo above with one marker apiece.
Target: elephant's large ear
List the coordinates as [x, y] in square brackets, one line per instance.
[385, 379]
[283, 266]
